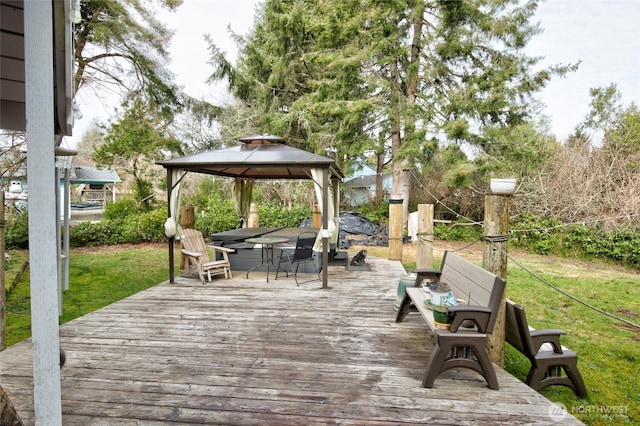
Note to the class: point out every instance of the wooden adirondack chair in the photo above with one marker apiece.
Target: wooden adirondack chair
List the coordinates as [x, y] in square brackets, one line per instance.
[195, 249]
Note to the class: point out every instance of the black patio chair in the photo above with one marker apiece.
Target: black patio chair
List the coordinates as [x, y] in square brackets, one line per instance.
[303, 253]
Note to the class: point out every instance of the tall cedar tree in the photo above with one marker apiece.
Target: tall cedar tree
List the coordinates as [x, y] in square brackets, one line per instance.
[390, 77]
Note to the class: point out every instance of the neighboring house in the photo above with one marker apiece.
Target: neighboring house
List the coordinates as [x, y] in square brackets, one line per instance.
[360, 186]
[95, 185]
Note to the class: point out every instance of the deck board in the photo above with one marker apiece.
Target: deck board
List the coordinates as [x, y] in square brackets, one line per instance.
[247, 352]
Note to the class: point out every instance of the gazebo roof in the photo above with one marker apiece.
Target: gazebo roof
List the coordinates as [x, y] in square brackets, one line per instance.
[260, 157]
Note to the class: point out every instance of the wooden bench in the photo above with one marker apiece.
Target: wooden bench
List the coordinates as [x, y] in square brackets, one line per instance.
[549, 359]
[458, 347]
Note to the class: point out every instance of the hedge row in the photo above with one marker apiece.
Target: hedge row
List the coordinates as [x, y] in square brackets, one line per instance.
[551, 237]
[125, 224]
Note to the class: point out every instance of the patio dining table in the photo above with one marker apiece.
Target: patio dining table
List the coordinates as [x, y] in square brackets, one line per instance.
[267, 245]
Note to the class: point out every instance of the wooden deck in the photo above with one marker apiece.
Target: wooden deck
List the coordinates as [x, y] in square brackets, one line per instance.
[244, 352]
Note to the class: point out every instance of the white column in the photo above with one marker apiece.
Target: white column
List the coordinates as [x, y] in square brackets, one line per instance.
[38, 29]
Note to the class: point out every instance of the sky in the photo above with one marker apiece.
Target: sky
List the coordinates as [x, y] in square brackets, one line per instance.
[603, 34]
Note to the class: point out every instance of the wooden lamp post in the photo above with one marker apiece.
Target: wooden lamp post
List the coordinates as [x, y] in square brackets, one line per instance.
[395, 228]
[494, 259]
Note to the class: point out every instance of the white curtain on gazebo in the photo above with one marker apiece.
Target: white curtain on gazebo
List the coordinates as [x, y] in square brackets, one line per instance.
[242, 193]
[172, 224]
[318, 181]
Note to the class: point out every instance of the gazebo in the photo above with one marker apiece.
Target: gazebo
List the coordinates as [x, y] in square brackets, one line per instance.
[258, 157]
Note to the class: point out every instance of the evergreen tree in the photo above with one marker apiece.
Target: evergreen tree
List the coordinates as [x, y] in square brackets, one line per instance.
[133, 144]
[121, 47]
[392, 77]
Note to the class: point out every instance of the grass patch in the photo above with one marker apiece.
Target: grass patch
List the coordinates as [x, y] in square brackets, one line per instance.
[608, 349]
[97, 278]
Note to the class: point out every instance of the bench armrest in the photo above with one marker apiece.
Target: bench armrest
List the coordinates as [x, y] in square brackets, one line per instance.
[191, 253]
[551, 336]
[478, 314]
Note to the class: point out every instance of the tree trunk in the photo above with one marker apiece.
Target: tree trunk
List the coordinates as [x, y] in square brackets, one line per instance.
[402, 186]
[380, 177]
[404, 176]
[405, 117]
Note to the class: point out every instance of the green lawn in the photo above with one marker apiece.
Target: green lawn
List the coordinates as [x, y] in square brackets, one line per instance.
[608, 349]
[97, 277]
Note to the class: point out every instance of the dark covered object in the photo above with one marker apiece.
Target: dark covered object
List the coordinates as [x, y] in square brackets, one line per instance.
[355, 223]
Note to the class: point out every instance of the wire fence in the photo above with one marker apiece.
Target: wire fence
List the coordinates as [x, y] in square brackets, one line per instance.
[519, 263]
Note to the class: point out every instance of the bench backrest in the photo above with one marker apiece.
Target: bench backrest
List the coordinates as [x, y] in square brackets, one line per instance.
[468, 281]
[516, 331]
[474, 285]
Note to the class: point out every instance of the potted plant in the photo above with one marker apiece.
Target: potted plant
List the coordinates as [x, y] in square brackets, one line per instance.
[442, 317]
[439, 293]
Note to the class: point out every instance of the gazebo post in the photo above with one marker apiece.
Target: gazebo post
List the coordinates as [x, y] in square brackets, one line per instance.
[172, 238]
[325, 227]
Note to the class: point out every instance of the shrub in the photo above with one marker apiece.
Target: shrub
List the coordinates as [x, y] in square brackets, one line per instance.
[146, 227]
[621, 245]
[208, 187]
[122, 209]
[134, 229]
[151, 225]
[548, 236]
[376, 211]
[280, 216]
[105, 232]
[535, 234]
[457, 232]
[17, 231]
[218, 215]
